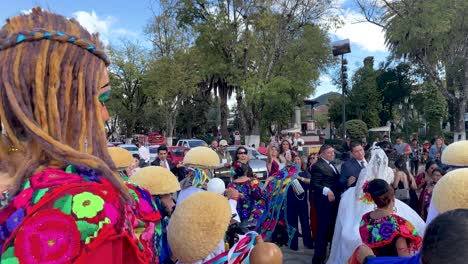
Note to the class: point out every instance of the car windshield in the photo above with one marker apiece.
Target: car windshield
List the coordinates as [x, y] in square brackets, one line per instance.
[178, 152]
[196, 143]
[153, 150]
[254, 153]
[129, 148]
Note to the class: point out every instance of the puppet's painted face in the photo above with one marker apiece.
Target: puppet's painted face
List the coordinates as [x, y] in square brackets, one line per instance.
[104, 91]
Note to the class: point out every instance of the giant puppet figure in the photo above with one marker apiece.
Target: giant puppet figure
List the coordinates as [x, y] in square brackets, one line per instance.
[65, 202]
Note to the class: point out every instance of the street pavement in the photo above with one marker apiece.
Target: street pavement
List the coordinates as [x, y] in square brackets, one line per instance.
[301, 256]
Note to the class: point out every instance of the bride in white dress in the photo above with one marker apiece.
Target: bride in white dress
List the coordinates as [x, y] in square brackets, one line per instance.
[354, 205]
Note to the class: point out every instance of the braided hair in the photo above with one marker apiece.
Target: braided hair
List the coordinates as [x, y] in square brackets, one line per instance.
[49, 96]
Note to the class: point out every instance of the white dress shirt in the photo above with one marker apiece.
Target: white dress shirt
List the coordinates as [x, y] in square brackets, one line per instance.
[326, 189]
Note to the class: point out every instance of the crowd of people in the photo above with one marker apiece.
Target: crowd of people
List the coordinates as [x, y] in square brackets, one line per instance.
[68, 198]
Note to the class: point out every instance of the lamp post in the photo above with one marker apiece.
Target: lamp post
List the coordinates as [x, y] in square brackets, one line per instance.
[342, 47]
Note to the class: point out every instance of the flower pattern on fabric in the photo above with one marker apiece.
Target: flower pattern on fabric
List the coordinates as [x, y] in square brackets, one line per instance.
[252, 204]
[49, 236]
[15, 219]
[277, 201]
[66, 222]
[87, 205]
[381, 232]
[9, 256]
[53, 177]
[23, 199]
[38, 195]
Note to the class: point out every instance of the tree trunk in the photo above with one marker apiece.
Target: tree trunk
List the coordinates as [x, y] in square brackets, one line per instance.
[223, 107]
[170, 123]
[459, 122]
[253, 138]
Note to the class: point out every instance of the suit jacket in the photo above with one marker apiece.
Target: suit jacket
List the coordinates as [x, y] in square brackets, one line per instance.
[349, 168]
[324, 176]
[179, 173]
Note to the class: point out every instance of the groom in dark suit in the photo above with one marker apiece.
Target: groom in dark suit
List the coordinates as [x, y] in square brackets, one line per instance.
[351, 169]
[327, 191]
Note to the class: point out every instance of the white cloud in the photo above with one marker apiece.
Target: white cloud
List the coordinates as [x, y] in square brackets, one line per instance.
[366, 35]
[325, 78]
[26, 11]
[102, 25]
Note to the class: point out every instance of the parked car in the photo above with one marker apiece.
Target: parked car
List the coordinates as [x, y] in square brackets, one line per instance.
[130, 147]
[176, 153]
[153, 149]
[191, 143]
[257, 163]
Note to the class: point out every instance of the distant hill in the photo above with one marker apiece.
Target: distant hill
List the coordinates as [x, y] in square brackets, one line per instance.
[324, 98]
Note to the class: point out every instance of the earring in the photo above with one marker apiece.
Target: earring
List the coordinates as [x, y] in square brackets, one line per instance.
[395, 210]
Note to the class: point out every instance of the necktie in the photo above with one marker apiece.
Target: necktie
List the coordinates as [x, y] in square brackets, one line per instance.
[363, 164]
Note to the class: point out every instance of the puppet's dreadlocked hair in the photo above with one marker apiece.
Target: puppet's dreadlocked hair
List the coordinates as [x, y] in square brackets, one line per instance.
[49, 93]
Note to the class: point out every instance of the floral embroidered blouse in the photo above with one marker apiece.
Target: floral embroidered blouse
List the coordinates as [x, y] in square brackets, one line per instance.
[380, 233]
[76, 216]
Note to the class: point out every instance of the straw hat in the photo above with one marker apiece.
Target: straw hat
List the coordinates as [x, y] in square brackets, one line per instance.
[157, 180]
[202, 157]
[455, 154]
[121, 157]
[198, 225]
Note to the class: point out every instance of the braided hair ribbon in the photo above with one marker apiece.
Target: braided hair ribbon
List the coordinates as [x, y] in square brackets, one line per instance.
[239, 253]
[40, 34]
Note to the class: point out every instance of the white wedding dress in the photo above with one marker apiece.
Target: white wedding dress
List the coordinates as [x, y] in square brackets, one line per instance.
[346, 237]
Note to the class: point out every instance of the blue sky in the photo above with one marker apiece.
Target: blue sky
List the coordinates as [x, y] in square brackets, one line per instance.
[117, 19]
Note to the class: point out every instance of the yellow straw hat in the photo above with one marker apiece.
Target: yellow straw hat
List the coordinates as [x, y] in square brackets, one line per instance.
[455, 154]
[198, 225]
[202, 157]
[121, 157]
[156, 180]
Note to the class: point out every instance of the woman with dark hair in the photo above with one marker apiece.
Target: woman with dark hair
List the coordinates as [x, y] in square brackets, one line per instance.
[405, 185]
[242, 156]
[273, 162]
[285, 148]
[382, 230]
[436, 175]
[421, 181]
[251, 203]
[298, 207]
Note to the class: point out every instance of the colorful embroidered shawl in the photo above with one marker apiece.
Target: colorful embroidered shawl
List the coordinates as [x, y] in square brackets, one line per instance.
[252, 204]
[74, 216]
[276, 195]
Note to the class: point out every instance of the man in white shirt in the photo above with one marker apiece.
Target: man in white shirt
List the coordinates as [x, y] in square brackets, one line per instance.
[327, 191]
[299, 143]
[144, 153]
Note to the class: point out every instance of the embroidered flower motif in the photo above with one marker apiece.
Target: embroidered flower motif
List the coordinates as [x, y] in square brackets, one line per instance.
[87, 205]
[53, 177]
[386, 230]
[64, 204]
[23, 199]
[49, 236]
[14, 220]
[375, 234]
[9, 256]
[86, 229]
[38, 194]
[111, 212]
